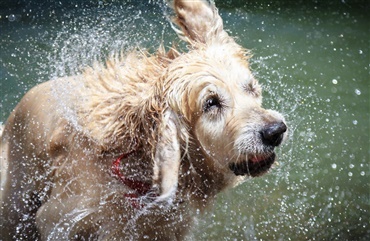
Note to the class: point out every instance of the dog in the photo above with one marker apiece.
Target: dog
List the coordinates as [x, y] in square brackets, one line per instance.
[135, 148]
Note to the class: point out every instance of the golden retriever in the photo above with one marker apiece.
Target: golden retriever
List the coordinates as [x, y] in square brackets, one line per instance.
[136, 148]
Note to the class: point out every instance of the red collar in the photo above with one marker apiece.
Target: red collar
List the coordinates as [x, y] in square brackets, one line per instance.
[140, 188]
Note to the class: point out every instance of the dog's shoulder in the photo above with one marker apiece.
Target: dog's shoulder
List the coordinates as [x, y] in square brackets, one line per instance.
[120, 99]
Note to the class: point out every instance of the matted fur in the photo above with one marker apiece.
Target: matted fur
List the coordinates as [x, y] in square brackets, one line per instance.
[188, 124]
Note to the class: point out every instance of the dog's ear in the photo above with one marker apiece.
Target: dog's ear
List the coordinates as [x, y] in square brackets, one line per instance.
[167, 156]
[199, 21]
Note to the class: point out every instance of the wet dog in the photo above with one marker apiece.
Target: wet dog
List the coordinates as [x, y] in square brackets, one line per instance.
[133, 149]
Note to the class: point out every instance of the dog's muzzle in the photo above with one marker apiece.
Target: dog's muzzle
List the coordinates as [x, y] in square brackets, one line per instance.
[257, 164]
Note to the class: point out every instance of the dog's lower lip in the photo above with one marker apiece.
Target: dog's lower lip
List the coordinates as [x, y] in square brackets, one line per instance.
[256, 165]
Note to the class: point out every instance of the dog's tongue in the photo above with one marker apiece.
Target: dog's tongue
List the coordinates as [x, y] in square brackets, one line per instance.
[257, 158]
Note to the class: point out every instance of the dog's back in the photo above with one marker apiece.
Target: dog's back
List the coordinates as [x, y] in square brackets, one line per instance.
[26, 161]
[3, 164]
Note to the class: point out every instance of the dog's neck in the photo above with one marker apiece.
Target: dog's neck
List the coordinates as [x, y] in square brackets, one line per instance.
[200, 178]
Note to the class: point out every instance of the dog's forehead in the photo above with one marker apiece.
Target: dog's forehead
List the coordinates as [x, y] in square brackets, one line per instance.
[231, 64]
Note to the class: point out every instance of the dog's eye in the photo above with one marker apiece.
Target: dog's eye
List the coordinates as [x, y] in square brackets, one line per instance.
[211, 103]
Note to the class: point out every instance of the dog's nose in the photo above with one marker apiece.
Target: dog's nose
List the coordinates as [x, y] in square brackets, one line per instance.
[273, 134]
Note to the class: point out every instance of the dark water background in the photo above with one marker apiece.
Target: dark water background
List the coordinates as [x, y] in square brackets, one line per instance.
[312, 58]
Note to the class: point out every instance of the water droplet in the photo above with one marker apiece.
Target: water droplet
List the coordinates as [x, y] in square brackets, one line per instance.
[358, 92]
[350, 174]
[360, 51]
[334, 81]
[362, 173]
[355, 122]
[12, 18]
[334, 166]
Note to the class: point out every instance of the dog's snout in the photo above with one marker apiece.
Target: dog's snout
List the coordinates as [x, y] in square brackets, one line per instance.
[273, 134]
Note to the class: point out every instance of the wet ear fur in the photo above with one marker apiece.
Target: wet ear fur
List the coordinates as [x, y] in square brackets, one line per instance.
[167, 156]
[199, 21]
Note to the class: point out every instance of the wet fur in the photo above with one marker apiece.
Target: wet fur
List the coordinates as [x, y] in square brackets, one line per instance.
[59, 143]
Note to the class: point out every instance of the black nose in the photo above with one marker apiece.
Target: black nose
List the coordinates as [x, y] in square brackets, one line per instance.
[273, 134]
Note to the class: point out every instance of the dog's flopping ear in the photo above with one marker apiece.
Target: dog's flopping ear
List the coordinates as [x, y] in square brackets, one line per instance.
[167, 156]
[199, 21]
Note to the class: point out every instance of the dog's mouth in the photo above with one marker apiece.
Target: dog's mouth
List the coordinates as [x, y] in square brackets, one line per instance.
[254, 166]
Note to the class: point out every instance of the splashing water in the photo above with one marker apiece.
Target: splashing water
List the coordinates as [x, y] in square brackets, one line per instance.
[93, 36]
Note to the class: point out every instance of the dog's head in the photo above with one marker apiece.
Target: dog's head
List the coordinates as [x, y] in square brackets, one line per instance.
[212, 89]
